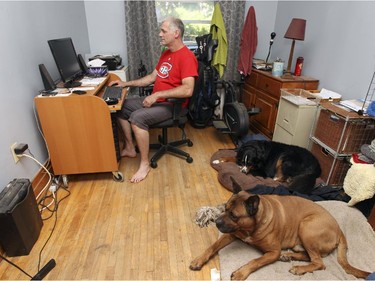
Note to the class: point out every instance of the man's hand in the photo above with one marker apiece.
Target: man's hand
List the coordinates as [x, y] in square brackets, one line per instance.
[149, 100]
[117, 83]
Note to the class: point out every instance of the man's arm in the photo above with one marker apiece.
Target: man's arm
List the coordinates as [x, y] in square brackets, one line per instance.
[141, 82]
[183, 91]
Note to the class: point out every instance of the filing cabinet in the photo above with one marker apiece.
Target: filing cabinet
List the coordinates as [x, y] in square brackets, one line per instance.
[295, 118]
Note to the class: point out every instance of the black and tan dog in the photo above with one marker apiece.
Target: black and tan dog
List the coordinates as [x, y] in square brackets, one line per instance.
[272, 223]
[294, 165]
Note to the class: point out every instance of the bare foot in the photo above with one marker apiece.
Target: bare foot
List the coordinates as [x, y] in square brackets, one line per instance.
[128, 153]
[141, 174]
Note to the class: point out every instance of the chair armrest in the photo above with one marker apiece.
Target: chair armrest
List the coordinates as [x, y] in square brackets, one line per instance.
[177, 108]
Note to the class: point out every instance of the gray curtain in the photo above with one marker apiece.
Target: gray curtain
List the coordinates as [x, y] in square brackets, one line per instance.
[142, 36]
[233, 16]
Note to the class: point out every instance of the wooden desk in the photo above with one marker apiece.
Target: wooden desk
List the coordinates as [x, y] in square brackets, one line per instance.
[81, 132]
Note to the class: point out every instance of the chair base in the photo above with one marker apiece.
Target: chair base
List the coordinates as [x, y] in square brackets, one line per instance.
[164, 147]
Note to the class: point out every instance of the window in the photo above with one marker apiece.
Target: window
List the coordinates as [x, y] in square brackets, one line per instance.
[195, 15]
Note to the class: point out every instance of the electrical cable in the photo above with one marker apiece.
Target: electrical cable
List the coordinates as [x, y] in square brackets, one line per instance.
[16, 266]
[41, 165]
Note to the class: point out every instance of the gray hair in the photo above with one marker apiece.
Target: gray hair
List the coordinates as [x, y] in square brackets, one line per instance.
[176, 23]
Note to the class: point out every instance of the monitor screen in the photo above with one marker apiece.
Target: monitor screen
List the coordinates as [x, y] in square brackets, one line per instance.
[66, 60]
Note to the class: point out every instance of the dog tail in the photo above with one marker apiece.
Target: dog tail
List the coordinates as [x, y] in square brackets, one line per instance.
[343, 261]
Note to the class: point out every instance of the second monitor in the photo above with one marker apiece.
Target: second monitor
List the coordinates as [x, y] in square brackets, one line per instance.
[66, 60]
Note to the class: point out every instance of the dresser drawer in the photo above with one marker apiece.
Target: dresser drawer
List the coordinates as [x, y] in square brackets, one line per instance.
[269, 85]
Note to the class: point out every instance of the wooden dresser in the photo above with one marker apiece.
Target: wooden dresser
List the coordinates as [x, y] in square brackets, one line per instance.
[262, 90]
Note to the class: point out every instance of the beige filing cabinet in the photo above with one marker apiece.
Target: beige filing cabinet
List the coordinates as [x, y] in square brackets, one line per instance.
[295, 117]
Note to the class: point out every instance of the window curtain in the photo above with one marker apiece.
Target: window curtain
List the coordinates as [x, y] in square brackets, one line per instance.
[233, 16]
[142, 36]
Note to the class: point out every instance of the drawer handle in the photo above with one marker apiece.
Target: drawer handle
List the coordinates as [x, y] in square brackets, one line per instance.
[334, 118]
[286, 121]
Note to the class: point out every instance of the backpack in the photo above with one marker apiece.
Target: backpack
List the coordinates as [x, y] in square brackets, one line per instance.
[205, 99]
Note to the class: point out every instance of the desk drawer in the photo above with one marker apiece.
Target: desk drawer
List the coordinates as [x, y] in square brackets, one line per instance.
[269, 85]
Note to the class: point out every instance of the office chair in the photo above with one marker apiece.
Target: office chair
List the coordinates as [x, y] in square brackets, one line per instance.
[179, 120]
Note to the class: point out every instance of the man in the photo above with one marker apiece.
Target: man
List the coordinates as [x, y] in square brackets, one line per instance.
[173, 77]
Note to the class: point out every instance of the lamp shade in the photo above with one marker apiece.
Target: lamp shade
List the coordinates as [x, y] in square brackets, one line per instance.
[296, 29]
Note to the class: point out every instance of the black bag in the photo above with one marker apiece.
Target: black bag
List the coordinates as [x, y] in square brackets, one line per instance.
[205, 99]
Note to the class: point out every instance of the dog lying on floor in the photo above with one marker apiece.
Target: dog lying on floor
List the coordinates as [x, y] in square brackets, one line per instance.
[274, 223]
[294, 165]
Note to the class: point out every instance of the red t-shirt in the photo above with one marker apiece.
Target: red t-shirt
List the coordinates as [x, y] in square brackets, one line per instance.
[173, 67]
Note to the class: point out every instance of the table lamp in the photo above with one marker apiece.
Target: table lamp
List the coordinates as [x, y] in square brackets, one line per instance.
[296, 31]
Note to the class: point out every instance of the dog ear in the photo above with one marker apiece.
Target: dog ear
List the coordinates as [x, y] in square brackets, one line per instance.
[235, 186]
[251, 205]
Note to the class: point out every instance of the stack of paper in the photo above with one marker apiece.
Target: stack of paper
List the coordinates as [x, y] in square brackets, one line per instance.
[358, 104]
[92, 81]
[327, 94]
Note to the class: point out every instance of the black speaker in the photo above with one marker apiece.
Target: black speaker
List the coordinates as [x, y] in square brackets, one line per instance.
[82, 63]
[47, 79]
[20, 219]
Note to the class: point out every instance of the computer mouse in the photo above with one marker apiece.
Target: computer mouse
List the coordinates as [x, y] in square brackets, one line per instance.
[79, 92]
[111, 101]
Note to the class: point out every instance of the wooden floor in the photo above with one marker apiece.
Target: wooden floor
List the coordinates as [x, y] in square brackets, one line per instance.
[122, 231]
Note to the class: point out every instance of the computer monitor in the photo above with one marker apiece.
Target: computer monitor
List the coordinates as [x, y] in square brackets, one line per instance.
[66, 61]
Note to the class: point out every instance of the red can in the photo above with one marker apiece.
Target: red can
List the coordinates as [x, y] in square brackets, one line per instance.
[299, 65]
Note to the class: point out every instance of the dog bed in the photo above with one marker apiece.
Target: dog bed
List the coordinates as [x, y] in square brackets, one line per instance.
[361, 252]
[260, 185]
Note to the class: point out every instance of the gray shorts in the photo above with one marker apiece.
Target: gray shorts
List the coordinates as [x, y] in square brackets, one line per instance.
[143, 117]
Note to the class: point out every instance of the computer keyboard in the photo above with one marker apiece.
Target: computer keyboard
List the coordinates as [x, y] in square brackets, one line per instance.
[112, 93]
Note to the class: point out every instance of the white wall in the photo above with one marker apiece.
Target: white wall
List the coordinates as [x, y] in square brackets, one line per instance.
[339, 46]
[106, 26]
[26, 26]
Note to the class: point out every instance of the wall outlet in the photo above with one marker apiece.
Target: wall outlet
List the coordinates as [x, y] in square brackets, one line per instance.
[15, 157]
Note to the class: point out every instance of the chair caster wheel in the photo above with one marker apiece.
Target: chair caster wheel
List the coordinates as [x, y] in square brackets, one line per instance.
[190, 143]
[189, 159]
[153, 164]
[118, 177]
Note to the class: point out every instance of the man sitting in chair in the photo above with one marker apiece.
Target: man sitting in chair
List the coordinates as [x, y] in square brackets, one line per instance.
[173, 77]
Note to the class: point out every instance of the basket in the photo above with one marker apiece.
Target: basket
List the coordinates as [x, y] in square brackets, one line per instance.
[334, 169]
[344, 136]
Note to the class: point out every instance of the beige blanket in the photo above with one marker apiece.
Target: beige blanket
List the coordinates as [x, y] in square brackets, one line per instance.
[361, 253]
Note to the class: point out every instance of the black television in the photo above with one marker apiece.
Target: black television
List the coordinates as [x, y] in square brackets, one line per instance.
[66, 60]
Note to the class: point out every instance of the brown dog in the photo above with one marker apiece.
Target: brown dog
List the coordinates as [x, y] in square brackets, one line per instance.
[272, 223]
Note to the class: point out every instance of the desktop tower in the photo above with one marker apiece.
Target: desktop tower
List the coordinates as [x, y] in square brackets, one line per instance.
[20, 219]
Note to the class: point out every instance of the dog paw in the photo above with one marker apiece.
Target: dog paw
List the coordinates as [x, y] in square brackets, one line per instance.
[285, 258]
[297, 270]
[238, 275]
[195, 265]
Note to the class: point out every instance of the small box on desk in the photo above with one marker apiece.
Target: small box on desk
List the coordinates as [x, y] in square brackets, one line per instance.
[343, 131]
[334, 169]
[97, 71]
